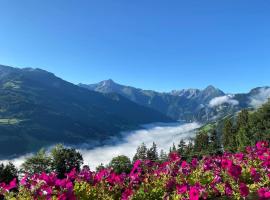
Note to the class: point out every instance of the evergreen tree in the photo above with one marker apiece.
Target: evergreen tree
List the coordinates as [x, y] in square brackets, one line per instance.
[181, 148]
[152, 153]
[8, 173]
[228, 139]
[41, 162]
[214, 143]
[201, 143]
[173, 148]
[242, 119]
[163, 157]
[141, 153]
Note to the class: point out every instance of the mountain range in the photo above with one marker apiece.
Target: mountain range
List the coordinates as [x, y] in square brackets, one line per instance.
[203, 105]
[38, 109]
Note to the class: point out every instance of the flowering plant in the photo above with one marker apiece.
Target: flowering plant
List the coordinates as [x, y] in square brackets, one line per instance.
[233, 176]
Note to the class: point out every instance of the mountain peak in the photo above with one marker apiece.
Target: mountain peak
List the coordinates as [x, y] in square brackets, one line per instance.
[107, 83]
[210, 87]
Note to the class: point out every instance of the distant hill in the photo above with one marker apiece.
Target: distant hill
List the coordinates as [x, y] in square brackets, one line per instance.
[205, 105]
[39, 109]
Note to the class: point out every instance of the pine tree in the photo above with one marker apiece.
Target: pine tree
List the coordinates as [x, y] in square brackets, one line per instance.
[201, 143]
[163, 157]
[181, 148]
[174, 148]
[152, 153]
[214, 143]
[228, 139]
[141, 153]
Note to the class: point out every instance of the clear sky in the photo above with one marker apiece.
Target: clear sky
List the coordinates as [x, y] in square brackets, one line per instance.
[152, 44]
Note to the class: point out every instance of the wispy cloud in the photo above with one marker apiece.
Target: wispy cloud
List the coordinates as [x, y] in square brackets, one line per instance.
[217, 101]
[260, 98]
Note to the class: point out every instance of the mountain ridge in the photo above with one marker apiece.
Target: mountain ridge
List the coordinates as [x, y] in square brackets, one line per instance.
[185, 104]
[39, 109]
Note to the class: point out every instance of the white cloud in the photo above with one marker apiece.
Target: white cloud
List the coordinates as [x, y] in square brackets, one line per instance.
[164, 135]
[217, 101]
[260, 98]
[17, 161]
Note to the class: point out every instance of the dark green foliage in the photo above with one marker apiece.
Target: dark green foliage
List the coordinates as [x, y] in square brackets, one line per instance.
[260, 123]
[65, 159]
[41, 162]
[228, 137]
[8, 173]
[121, 164]
[152, 153]
[214, 143]
[181, 148]
[201, 142]
[141, 153]
[163, 156]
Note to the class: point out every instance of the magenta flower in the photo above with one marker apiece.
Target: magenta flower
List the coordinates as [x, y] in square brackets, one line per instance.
[127, 194]
[174, 157]
[244, 191]
[226, 163]
[181, 189]
[228, 189]
[12, 184]
[194, 193]
[235, 171]
[264, 193]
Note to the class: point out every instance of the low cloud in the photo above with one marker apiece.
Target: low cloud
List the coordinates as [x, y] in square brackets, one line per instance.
[164, 135]
[260, 98]
[217, 101]
[17, 161]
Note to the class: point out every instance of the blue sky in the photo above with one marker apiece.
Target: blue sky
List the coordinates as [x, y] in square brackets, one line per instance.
[152, 44]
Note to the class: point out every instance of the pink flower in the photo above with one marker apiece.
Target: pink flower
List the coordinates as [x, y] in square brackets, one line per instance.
[264, 193]
[12, 184]
[194, 162]
[255, 175]
[174, 157]
[235, 171]
[244, 191]
[228, 189]
[261, 145]
[194, 193]
[226, 163]
[181, 189]
[127, 194]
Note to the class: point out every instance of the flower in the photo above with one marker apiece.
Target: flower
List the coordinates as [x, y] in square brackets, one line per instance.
[226, 163]
[235, 171]
[254, 174]
[228, 189]
[194, 193]
[181, 189]
[12, 184]
[244, 191]
[174, 157]
[264, 193]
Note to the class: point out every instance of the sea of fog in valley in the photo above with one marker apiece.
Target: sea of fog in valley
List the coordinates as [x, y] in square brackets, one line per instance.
[163, 134]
